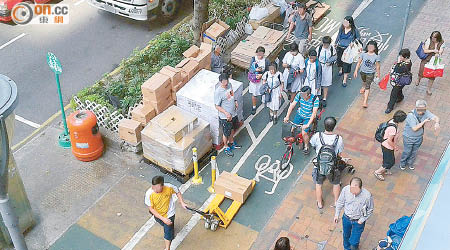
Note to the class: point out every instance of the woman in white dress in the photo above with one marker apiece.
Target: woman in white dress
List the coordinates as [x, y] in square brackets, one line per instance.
[258, 65]
[274, 82]
[326, 58]
[293, 61]
[313, 73]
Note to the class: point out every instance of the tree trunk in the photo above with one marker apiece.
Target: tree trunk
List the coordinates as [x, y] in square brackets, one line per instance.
[200, 17]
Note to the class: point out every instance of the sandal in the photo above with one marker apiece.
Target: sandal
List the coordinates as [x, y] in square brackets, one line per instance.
[319, 207]
[361, 91]
[429, 93]
[388, 173]
[365, 106]
[378, 176]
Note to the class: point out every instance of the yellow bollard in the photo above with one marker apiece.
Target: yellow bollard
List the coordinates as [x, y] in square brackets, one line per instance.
[213, 174]
[197, 179]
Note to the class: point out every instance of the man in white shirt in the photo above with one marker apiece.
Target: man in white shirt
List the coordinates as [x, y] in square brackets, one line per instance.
[332, 141]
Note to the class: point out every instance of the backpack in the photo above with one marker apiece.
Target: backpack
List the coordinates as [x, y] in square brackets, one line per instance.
[327, 157]
[379, 134]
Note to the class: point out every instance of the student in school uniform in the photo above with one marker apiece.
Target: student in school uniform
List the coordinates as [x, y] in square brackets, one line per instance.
[274, 85]
[326, 56]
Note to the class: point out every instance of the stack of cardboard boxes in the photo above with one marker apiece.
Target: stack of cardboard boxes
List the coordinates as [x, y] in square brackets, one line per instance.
[169, 138]
[233, 186]
[270, 39]
[159, 91]
[211, 31]
[274, 13]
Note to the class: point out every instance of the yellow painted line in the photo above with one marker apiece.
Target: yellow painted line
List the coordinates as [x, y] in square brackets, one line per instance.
[38, 130]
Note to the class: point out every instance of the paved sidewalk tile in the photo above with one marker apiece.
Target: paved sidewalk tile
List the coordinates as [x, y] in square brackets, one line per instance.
[79, 238]
[400, 194]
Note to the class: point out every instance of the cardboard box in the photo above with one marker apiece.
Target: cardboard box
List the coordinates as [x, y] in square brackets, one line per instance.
[173, 73]
[143, 114]
[175, 122]
[130, 131]
[274, 13]
[161, 104]
[189, 66]
[192, 51]
[233, 187]
[214, 31]
[157, 87]
[177, 87]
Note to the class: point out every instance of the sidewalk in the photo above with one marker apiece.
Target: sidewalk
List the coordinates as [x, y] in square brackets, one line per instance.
[298, 217]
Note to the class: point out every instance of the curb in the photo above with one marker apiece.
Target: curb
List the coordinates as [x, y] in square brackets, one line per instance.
[38, 130]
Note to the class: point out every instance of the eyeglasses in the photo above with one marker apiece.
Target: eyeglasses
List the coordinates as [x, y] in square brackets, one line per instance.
[421, 110]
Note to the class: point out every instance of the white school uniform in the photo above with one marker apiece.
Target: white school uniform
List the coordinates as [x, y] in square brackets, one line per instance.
[273, 81]
[327, 70]
[295, 61]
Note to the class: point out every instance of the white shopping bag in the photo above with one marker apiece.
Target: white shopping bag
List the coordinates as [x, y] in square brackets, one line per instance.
[352, 52]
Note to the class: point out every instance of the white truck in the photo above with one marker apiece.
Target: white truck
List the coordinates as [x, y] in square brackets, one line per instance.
[139, 9]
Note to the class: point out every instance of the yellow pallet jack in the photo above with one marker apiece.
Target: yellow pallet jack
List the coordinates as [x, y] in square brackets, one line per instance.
[215, 217]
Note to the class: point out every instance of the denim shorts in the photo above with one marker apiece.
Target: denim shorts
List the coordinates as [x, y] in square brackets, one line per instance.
[298, 119]
[169, 231]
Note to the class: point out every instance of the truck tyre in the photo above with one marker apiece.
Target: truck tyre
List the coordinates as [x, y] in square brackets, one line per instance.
[168, 9]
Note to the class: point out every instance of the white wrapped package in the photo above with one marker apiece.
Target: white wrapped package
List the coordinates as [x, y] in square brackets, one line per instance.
[160, 148]
[197, 97]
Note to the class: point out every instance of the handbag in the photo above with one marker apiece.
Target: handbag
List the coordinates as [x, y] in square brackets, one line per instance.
[433, 68]
[352, 52]
[420, 52]
[268, 90]
[383, 83]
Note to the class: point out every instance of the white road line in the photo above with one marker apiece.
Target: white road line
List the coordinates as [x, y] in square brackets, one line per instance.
[250, 132]
[79, 2]
[245, 91]
[28, 122]
[364, 4]
[12, 40]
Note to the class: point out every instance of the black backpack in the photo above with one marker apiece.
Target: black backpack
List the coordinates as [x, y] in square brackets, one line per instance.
[327, 158]
[379, 134]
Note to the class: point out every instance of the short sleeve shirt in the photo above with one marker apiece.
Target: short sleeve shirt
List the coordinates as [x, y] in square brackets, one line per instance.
[224, 97]
[412, 121]
[164, 202]
[390, 131]
[306, 106]
[296, 61]
[368, 64]
[329, 140]
[301, 30]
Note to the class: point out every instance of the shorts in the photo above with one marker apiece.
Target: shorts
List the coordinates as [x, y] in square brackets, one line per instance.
[388, 157]
[346, 67]
[227, 126]
[298, 119]
[367, 79]
[169, 231]
[319, 178]
[302, 45]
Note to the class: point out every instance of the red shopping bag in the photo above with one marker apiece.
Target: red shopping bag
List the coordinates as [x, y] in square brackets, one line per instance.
[433, 68]
[383, 83]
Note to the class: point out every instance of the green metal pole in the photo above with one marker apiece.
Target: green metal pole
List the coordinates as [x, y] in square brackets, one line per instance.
[66, 130]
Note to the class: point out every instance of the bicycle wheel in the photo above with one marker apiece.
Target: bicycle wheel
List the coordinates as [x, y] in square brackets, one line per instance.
[286, 159]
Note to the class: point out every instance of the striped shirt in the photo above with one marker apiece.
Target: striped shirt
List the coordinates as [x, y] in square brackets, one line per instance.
[306, 106]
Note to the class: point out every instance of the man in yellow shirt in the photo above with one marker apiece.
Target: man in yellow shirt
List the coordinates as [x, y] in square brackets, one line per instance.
[160, 199]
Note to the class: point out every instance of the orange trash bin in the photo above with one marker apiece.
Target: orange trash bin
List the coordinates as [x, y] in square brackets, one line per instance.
[85, 137]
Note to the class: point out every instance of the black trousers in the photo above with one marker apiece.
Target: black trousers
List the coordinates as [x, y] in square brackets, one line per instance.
[396, 96]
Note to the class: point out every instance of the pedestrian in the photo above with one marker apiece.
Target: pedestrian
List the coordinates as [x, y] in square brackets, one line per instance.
[347, 34]
[389, 145]
[401, 69]
[258, 65]
[294, 65]
[369, 63]
[329, 147]
[326, 57]
[274, 85]
[216, 60]
[413, 133]
[283, 243]
[306, 113]
[302, 22]
[313, 73]
[357, 204]
[227, 107]
[434, 46]
[160, 199]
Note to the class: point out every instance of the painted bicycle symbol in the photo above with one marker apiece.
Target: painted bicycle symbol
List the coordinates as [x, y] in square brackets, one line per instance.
[275, 174]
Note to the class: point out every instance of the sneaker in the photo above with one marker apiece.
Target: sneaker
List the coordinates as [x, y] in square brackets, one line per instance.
[324, 103]
[253, 111]
[411, 167]
[234, 146]
[228, 152]
[275, 120]
[306, 151]
[402, 167]
[344, 84]
[388, 110]
[270, 118]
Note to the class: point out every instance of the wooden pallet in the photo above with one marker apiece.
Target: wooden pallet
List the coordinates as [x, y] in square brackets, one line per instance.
[181, 176]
